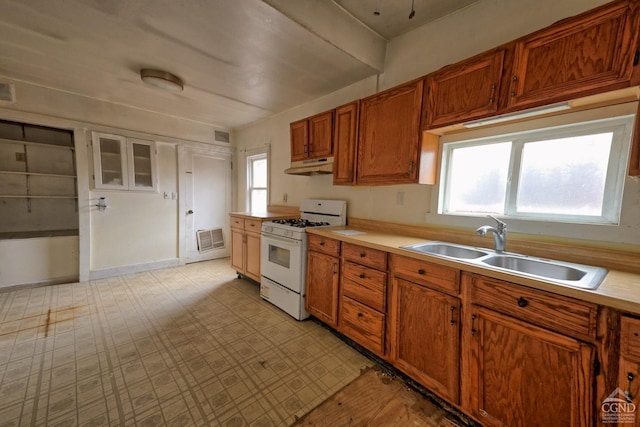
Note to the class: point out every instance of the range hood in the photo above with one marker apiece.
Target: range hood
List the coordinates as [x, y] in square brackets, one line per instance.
[311, 167]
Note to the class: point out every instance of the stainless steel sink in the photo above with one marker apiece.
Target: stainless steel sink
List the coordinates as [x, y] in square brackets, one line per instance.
[565, 273]
[558, 272]
[448, 250]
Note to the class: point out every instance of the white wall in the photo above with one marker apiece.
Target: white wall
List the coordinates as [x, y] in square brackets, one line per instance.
[38, 260]
[482, 26]
[139, 230]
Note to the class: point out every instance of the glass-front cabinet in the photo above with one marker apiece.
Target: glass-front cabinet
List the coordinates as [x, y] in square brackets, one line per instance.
[124, 163]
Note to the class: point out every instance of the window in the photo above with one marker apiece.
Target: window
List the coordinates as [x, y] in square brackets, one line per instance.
[257, 178]
[123, 163]
[572, 172]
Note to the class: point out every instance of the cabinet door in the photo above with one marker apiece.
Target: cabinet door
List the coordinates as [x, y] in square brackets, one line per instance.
[590, 53]
[321, 135]
[629, 383]
[252, 255]
[237, 250]
[464, 91]
[322, 287]
[142, 165]
[520, 375]
[299, 140]
[425, 334]
[389, 138]
[345, 138]
[110, 161]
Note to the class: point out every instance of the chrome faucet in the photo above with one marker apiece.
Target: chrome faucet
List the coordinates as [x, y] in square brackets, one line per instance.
[499, 233]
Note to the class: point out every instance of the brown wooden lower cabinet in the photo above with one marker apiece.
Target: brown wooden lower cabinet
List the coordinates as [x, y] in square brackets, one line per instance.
[322, 287]
[425, 336]
[245, 246]
[520, 375]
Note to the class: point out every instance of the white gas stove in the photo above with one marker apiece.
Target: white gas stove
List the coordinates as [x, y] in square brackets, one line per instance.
[283, 262]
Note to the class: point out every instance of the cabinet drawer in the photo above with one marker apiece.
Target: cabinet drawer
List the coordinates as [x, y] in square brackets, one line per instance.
[365, 285]
[556, 312]
[425, 273]
[237, 222]
[365, 256]
[630, 338]
[324, 245]
[252, 225]
[361, 323]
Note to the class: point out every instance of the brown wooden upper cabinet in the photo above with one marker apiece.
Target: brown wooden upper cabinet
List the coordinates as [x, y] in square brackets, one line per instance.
[389, 136]
[345, 139]
[579, 56]
[312, 138]
[464, 91]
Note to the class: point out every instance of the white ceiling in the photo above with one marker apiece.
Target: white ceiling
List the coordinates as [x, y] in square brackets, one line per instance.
[241, 60]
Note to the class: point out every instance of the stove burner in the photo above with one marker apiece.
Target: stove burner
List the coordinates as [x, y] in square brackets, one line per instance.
[300, 223]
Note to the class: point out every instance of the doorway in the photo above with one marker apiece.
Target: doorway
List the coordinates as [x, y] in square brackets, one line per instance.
[207, 203]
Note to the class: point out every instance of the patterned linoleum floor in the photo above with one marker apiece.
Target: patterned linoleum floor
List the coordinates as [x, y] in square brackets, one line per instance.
[191, 345]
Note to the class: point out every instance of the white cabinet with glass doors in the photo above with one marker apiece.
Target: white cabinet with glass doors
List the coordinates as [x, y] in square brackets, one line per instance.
[124, 163]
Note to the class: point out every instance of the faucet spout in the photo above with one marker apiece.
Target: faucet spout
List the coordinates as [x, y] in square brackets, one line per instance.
[499, 234]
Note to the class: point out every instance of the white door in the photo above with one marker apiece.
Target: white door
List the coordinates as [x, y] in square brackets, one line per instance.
[207, 202]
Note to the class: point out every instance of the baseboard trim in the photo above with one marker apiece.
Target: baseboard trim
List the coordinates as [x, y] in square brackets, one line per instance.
[132, 269]
[39, 283]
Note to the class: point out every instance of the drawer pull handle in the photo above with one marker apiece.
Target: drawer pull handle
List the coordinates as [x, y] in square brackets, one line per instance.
[321, 243]
[473, 324]
[522, 302]
[421, 271]
[359, 314]
[453, 314]
[362, 255]
[361, 275]
[627, 394]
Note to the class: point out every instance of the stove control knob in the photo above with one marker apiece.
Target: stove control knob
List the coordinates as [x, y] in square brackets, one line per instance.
[268, 229]
[288, 233]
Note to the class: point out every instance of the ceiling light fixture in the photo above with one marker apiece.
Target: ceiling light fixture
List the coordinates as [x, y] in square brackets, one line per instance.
[161, 79]
[518, 115]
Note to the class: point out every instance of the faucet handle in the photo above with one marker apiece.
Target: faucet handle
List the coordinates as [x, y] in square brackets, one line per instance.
[502, 226]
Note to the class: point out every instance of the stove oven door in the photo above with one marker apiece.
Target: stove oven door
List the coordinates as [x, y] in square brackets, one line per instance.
[282, 260]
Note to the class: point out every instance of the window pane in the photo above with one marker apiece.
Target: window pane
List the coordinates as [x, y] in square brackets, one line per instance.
[564, 176]
[142, 165]
[259, 173]
[258, 201]
[111, 161]
[478, 178]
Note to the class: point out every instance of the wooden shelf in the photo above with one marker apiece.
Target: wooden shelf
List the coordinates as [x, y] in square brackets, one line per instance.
[10, 196]
[36, 144]
[52, 175]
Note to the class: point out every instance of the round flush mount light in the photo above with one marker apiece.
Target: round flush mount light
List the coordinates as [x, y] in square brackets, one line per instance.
[161, 79]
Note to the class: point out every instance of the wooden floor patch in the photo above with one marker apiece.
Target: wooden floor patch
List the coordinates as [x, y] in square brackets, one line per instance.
[377, 399]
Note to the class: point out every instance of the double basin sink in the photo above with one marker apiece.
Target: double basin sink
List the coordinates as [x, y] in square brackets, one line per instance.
[558, 272]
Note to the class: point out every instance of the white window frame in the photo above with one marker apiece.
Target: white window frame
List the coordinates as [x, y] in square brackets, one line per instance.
[256, 155]
[616, 118]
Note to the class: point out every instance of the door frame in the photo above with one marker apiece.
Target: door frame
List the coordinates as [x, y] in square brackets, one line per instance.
[184, 168]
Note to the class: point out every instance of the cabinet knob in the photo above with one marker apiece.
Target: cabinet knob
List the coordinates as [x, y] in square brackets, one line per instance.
[362, 254]
[421, 271]
[522, 302]
[190, 212]
[321, 243]
[359, 314]
[361, 275]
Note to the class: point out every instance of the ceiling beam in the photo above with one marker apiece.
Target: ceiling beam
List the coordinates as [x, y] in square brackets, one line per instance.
[333, 24]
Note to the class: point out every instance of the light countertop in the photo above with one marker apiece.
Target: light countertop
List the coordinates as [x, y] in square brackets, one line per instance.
[619, 290]
[263, 215]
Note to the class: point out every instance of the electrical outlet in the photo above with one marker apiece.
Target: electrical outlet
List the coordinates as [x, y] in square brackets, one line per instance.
[174, 196]
[166, 195]
[285, 196]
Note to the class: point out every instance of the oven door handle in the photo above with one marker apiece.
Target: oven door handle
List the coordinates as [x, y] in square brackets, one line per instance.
[285, 240]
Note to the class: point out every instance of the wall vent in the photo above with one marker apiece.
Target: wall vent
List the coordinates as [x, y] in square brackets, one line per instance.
[221, 136]
[209, 240]
[7, 93]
